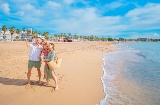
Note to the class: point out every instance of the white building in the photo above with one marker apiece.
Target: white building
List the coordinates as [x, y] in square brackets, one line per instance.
[1, 35]
[42, 37]
[7, 35]
[22, 36]
[30, 29]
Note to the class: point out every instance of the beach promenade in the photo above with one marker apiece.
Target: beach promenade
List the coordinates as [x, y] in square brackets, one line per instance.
[79, 77]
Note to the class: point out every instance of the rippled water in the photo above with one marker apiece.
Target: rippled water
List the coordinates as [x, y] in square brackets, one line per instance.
[139, 62]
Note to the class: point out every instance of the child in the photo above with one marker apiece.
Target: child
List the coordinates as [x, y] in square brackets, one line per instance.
[44, 54]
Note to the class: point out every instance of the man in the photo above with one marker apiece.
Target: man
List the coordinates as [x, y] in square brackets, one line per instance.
[34, 58]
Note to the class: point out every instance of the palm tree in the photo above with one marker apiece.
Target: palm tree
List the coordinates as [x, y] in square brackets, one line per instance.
[67, 37]
[61, 35]
[4, 28]
[55, 37]
[46, 35]
[28, 32]
[18, 31]
[80, 36]
[34, 34]
[64, 35]
[84, 37]
[12, 30]
[102, 39]
[91, 38]
[23, 33]
[24, 29]
[76, 36]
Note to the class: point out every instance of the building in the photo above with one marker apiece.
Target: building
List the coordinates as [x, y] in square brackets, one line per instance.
[22, 36]
[30, 29]
[143, 39]
[40, 36]
[7, 35]
[1, 36]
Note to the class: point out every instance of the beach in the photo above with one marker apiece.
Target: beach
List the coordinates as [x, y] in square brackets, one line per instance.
[79, 77]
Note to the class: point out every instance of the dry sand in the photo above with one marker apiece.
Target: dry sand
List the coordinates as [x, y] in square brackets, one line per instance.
[78, 78]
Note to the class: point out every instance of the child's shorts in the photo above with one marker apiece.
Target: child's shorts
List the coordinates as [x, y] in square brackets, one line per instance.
[45, 57]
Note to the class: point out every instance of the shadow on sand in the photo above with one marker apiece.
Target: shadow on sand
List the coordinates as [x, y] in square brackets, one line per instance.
[19, 82]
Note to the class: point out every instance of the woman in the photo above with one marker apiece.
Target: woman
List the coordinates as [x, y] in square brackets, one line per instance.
[48, 72]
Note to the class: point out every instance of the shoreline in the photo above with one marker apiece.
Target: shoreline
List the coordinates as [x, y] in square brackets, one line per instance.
[119, 88]
[79, 76]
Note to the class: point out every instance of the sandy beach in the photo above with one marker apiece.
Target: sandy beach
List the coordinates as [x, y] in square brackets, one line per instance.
[79, 77]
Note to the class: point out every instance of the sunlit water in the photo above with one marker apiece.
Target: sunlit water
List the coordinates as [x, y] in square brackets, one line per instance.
[139, 62]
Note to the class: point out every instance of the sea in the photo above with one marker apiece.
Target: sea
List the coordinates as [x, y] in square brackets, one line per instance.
[132, 74]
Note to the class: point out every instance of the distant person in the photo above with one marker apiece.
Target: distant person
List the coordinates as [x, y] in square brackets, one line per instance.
[51, 73]
[34, 58]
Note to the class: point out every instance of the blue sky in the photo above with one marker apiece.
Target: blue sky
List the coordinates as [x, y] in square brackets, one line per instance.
[108, 18]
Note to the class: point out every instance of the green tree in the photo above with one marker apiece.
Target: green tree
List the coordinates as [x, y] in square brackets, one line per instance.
[102, 39]
[4, 37]
[4, 28]
[18, 31]
[97, 39]
[110, 39]
[12, 30]
[121, 39]
[75, 36]
[17, 37]
[64, 34]
[34, 34]
[80, 36]
[61, 35]
[84, 37]
[45, 34]
[91, 38]
[28, 32]
[24, 29]
[55, 35]
[67, 37]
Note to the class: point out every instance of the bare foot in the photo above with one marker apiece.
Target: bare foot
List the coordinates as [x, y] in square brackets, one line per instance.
[56, 88]
[28, 86]
[38, 82]
[45, 83]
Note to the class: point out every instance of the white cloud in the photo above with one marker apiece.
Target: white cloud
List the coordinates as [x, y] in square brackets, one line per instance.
[113, 5]
[156, 35]
[87, 22]
[20, 13]
[86, 14]
[146, 17]
[60, 16]
[29, 9]
[5, 8]
[53, 5]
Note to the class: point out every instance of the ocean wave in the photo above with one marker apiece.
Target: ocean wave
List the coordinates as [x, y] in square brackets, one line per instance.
[112, 95]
